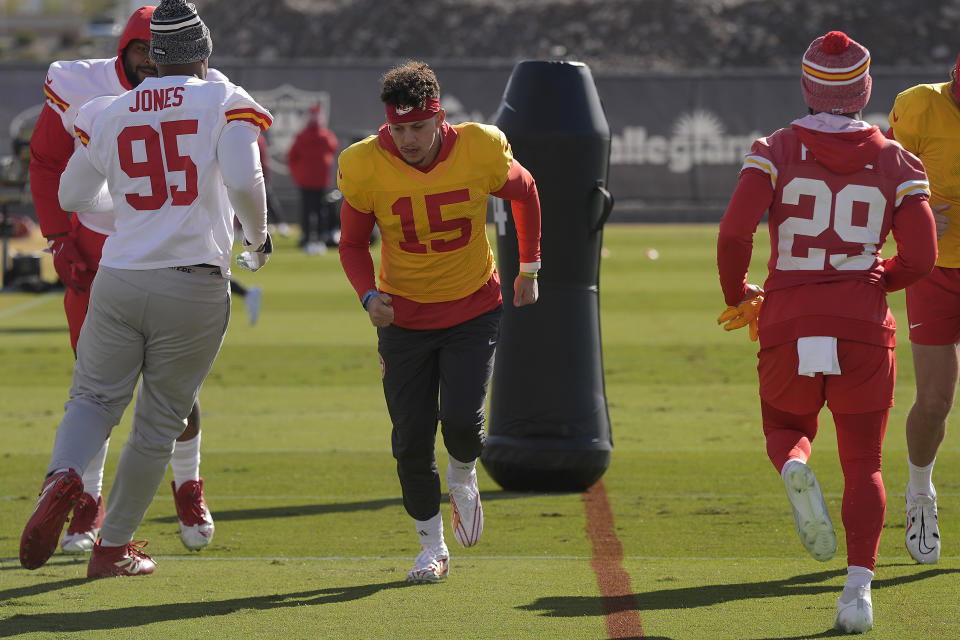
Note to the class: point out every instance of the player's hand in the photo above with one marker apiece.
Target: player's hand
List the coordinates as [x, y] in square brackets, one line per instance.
[744, 314]
[253, 259]
[380, 308]
[525, 291]
[70, 265]
[940, 219]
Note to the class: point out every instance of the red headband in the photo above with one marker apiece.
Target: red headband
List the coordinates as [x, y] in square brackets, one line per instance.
[398, 115]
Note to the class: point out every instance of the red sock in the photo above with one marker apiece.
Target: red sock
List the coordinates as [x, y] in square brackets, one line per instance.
[788, 435]
[859, 441]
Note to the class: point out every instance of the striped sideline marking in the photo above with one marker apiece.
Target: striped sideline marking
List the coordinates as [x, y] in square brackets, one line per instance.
[620, 606]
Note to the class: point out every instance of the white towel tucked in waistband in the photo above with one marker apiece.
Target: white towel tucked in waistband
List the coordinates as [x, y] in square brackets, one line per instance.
[817, 354]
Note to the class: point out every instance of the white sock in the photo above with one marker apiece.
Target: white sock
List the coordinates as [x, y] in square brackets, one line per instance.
[459, 472]
[430, 531]
[93, 474]
[858, 577]
[789, 463]
[921, 479]
[185, 461]
[107, 543]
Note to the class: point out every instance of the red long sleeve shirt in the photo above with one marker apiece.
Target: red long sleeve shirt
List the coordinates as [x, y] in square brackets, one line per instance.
[832, 197]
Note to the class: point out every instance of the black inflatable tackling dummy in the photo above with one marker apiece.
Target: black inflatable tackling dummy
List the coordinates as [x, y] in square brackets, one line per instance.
[549, 428]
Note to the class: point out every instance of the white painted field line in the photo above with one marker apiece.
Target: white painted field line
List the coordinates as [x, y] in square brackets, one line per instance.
[333, 499]
[406, 558]
[26, 306]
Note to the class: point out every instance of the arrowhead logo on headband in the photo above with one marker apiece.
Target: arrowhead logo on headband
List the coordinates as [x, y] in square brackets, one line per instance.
[403, 113]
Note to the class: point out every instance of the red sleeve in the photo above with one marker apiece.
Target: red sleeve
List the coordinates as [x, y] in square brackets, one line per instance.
[749, 202]
[916, 236]
[889, 133]
[50, 150]
[521, 190]
[355, 230]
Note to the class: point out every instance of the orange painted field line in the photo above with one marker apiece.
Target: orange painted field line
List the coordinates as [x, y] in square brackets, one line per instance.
[620, 606]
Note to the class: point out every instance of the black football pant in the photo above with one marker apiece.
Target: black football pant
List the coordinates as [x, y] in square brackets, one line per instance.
[429, 375]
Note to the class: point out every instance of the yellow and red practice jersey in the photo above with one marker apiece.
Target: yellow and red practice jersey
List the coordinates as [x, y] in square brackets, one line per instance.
[433, 225]
[926, 121]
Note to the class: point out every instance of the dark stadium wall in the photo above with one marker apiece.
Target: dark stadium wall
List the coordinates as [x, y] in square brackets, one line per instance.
[677, 140]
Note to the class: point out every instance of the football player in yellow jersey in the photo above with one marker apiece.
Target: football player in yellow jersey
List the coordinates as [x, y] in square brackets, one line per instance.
[925, 119]
[437, 306]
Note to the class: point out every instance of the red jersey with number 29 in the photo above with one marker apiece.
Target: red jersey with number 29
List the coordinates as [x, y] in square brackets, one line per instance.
[835, 190]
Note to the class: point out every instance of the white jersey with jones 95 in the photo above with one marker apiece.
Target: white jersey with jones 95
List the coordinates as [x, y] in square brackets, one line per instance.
[157, 146]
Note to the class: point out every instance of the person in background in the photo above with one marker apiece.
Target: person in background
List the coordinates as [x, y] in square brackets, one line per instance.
[177, 153]
[76, 241]
[310, 160]
[925, 119]
[437, 308]
[834, 188]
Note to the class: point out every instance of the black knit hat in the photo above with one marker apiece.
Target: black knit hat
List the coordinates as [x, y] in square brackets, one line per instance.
[177, 34]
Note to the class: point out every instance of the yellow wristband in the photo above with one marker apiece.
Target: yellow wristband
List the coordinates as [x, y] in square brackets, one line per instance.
[532, 276]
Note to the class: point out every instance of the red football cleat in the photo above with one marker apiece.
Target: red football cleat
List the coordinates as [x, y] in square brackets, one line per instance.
[127, 560]
[84, 526]
[39, 540]
[195, 521]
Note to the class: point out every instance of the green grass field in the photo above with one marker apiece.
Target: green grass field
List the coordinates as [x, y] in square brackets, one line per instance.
[312, 541]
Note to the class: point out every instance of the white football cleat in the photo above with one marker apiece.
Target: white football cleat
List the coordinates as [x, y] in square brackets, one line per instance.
[809, 510]
[922, 537]
[431, 565]
[252, 302]
[194, 519]
[466, 511]
[854, 610]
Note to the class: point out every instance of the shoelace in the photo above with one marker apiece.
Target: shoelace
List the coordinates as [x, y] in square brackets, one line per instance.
[922, 511]
[135, 548]
[465, 490]
[426, 557]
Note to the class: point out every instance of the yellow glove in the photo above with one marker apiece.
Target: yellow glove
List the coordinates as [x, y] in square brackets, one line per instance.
[745, 313]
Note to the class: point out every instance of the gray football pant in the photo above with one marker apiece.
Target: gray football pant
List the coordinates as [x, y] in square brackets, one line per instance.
[165, 326]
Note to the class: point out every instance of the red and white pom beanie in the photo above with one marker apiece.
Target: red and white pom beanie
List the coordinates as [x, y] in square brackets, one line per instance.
[836, 74]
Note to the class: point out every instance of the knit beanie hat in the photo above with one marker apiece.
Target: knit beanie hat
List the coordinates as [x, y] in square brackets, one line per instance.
[836, 74]
[177, 34]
